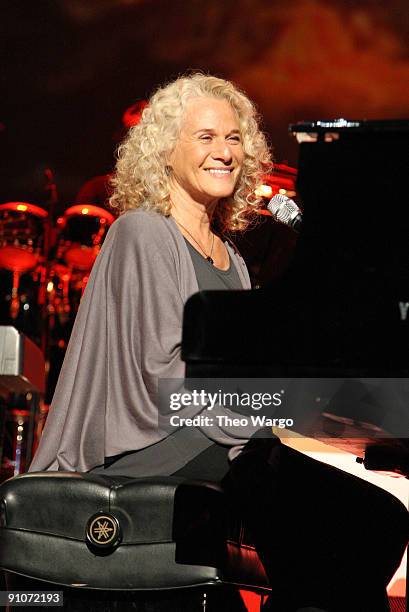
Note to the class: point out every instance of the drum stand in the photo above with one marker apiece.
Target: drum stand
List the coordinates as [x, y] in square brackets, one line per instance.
[17, 425]
[51, 189]
[19, 435]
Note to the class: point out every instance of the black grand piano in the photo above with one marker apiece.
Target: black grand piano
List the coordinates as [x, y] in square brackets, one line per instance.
[341, 308]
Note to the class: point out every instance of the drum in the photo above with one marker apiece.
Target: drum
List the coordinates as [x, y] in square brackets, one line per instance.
[82, 230]
[21, 236]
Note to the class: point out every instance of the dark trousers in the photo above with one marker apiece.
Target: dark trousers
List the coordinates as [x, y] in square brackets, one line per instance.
[326, 538]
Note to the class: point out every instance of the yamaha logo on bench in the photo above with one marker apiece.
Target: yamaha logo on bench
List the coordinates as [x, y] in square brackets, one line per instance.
[103, 533]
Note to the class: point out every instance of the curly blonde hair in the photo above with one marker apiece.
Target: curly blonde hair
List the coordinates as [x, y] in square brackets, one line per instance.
[141, 180]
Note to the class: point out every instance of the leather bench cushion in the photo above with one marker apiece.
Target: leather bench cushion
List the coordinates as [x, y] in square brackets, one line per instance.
[174, 532]
[60, 504]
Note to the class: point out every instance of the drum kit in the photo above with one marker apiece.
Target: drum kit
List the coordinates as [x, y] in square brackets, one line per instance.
[44, 268]
[45, 265]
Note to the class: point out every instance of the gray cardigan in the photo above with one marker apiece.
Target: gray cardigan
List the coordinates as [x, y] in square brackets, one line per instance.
[126, 336]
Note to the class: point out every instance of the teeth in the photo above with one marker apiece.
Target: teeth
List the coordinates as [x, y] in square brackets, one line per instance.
[218, 171]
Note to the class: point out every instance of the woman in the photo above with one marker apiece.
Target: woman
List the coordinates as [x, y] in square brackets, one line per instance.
[185, 175]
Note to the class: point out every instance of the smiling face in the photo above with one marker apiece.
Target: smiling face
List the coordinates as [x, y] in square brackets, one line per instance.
[207, 159]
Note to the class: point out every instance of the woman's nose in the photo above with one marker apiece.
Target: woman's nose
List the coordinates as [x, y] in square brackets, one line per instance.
[222, 151]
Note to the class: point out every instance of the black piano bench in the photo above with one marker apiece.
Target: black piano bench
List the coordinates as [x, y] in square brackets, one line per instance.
[117, 543]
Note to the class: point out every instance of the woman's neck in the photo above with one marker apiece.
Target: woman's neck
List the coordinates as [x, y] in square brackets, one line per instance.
[194, 216]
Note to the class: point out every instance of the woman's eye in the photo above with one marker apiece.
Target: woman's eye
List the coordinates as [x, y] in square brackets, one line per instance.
[206, 138]
[235, 139]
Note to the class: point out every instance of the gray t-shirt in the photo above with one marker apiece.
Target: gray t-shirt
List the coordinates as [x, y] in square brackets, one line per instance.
[209, 277]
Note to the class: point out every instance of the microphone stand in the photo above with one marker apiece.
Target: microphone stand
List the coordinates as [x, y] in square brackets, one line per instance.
[50, 189]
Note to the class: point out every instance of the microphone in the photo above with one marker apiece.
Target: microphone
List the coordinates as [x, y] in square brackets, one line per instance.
[286, 211]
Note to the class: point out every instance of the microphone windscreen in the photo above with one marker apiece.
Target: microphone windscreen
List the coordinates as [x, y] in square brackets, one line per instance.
[283, 209]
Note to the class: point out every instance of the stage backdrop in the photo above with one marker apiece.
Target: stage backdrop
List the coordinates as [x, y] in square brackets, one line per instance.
[71, 67]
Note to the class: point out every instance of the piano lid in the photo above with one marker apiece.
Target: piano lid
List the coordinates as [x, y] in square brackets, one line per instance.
[343, 303]
[348, 126]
